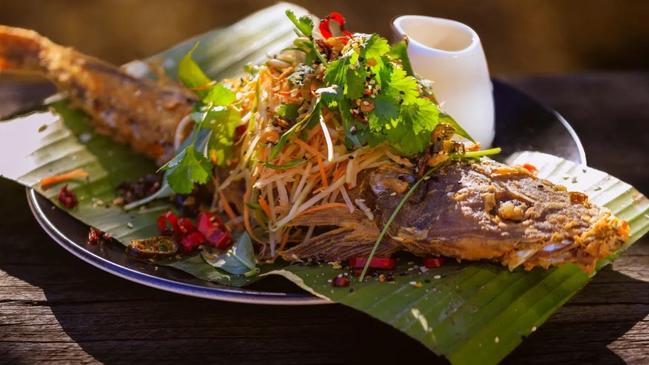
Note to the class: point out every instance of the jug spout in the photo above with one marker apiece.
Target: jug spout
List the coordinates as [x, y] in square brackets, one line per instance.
[449, 53]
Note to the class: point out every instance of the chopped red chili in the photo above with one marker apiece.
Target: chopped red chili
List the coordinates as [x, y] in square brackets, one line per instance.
[96, 236]
[184, 226]
[215, 233]
[340, 281]
[210, 230]
[167, 223]
[67, 197]
[191, 241]
[433, 262]
[382, 263]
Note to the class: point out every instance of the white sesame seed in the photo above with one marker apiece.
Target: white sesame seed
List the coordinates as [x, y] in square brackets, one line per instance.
[497, 339]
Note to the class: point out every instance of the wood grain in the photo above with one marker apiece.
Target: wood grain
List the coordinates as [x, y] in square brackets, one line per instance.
[56, 309]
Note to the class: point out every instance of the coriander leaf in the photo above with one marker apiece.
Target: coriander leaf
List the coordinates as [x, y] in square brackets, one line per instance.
[287, 111]
[375, 48]
[402, 87]
[191, 168]
[336, 72]
[356, 133]
[423, 114]
[219, 95]
[410, 133]
[355, 82]
[406, 142]
[304, 24]
[399, 51]
[386, 109]
[190, 74]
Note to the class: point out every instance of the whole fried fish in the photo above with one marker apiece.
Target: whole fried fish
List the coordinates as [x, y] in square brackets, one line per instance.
[139, 112]
[470, 211]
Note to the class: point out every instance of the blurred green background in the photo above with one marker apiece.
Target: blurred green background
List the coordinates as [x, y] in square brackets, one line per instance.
[528, 36]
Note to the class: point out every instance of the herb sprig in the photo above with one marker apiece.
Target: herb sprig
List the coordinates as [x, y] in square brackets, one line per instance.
[215, 114]
[378, 97]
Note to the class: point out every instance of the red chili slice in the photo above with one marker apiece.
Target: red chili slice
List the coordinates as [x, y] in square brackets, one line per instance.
[167, 223]
[382, 263]
[214, 231]
[325, 28]
[184, 227]
[191, 241]
[340, 281]
[433, 262]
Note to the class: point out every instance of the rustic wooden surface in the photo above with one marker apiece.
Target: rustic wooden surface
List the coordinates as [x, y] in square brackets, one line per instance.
[55, 308]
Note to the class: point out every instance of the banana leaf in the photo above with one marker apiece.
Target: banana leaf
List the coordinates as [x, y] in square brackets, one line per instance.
[478, 312]
[469, 312]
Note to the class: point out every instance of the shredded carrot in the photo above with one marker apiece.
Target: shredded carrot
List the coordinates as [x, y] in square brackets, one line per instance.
[226, 206]
[340, 171]
[308, 148]
[324, 206]
[264, 206]
[287, 71]
[283, 241]
[269, 135]
[70, 175]
[323, 173]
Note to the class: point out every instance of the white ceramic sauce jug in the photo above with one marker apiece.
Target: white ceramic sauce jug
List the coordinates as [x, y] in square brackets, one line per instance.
[449, 54]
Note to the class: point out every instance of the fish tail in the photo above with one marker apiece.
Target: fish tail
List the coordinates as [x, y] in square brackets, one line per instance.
[20, 49]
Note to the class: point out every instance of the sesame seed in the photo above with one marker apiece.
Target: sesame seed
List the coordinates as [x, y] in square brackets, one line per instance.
[437, 277]
[497, 339]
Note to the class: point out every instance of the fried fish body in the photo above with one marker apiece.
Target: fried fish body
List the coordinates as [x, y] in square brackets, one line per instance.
[470, 211]
[136, 111]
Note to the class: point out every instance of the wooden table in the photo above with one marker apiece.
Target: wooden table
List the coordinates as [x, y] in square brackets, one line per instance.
[55, 308]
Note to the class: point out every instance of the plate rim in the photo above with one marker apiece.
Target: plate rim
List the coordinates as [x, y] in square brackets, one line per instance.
[237, 295]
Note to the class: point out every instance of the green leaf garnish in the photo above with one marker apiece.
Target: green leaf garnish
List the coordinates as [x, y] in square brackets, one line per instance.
[399, 51]
[238, 260]
[190, 74]
[219, 95]
[187, 168]
[287, 111]
[304, 24]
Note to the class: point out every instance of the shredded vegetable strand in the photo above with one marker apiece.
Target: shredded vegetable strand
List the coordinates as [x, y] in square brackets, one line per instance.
[327, 136]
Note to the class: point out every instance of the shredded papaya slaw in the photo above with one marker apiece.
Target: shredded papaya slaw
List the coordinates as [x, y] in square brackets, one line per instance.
[277, 188]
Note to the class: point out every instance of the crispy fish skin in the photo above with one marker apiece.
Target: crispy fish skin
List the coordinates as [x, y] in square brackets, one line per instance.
[131, 110]
[475, 211]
